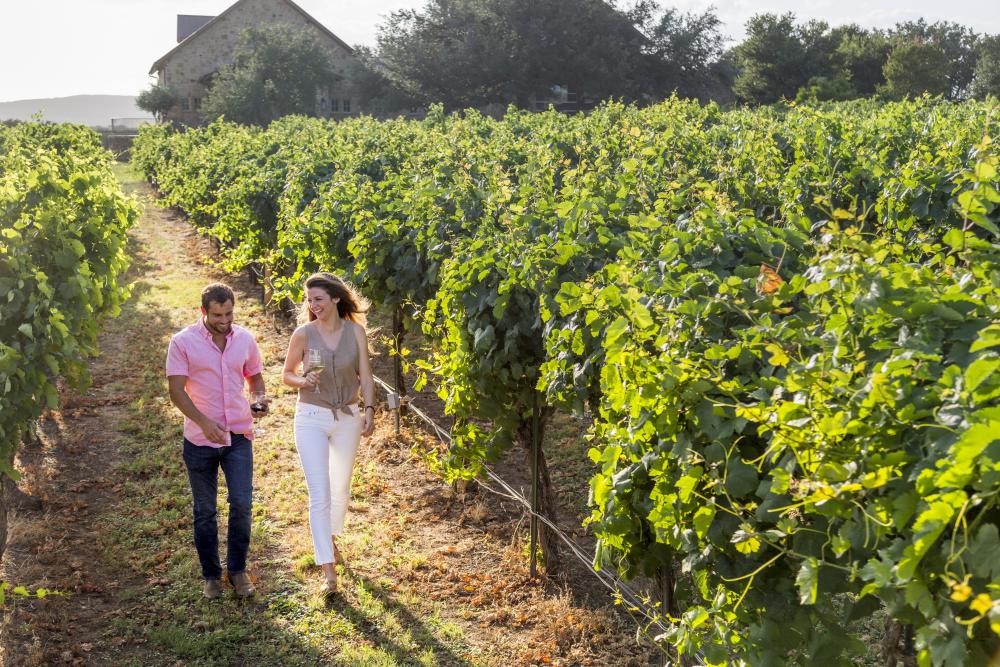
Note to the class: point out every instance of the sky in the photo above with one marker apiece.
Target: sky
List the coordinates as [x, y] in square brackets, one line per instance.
[56, 48]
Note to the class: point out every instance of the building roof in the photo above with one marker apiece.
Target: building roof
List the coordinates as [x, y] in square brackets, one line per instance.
[159, 63]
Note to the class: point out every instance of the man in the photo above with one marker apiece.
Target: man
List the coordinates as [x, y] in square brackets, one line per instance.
[207, 364]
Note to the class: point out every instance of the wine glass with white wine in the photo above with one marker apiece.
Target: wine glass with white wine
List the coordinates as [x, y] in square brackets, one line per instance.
[314, 364]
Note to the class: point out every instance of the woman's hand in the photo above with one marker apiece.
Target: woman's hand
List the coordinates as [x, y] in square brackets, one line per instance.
[310, 380]
[369, 424]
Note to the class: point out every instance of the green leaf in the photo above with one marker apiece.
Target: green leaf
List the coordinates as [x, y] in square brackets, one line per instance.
[970, 203]
[615, 331]
[928, 527]
[778, 356]
[484, 339]
[955, 237]
[780, 480]
[985, 171]
[640, 315]
[979, 370]
[687, 483]
[807, 580]
[986, 224]
[703, 520]
[568, 298]
[741, 478]
[988, 337]
[982, 556]
[746, 541]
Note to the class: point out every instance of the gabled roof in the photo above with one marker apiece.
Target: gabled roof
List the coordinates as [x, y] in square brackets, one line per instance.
[322, 28]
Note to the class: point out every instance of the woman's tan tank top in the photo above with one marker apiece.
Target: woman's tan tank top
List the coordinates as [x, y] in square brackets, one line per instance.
[339, 384]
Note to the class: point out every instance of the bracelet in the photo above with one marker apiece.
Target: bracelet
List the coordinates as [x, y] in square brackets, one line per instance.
[370, 406]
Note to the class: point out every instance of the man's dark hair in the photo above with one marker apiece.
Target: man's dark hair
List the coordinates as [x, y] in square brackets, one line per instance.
[217, 293]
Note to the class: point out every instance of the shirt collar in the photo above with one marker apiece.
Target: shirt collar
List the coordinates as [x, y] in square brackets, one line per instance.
[205, 333]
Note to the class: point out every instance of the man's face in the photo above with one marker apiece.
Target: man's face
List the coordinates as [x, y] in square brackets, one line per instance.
[219, 317]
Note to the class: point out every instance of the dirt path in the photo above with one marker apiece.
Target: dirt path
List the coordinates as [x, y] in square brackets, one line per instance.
[433, 578]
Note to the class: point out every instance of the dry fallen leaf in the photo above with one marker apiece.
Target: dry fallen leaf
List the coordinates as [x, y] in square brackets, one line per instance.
[768, 280]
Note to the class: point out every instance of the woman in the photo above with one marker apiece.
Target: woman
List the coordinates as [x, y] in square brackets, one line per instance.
[329, 422]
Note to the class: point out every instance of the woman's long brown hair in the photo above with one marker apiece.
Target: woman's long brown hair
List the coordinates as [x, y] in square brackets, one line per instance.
[352, 306]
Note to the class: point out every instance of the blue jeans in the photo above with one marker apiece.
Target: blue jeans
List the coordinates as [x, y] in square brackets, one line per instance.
[203, 472]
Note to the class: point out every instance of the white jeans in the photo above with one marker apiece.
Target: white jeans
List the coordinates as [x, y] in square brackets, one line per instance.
[326, 450]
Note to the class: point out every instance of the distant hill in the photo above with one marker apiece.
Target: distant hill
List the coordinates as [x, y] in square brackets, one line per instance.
[94, 110]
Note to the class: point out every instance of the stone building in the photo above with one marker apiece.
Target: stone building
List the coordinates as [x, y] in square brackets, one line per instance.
[205, 43]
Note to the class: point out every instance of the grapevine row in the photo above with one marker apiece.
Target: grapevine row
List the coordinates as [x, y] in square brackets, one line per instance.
[782, 324]
[63, 227]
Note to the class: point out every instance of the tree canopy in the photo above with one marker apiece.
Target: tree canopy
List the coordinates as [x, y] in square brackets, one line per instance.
[986, 79]
[276, 71]
[771, 59]
[916, 68]
[475, 52]
[157, 100]
[958, 44]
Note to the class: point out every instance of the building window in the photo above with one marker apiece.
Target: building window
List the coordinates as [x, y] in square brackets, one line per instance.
[347, 106]
[185, 104]
[197, 102]
[336, 105]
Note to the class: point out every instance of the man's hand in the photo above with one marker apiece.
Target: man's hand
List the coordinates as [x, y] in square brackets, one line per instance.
[265, 408]
[215, 432]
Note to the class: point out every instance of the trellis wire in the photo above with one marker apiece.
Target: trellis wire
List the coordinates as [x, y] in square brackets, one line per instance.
[611, 581]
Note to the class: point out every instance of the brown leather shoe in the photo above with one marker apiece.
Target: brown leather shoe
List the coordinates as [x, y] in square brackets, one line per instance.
[242, 584]
[213, 589]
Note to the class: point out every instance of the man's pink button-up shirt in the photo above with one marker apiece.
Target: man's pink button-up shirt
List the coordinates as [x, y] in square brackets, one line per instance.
[215, 378]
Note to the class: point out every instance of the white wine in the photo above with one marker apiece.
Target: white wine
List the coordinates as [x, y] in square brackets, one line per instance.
[315, 364]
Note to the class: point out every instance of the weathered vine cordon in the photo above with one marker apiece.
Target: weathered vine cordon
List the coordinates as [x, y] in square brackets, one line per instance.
[782, 324]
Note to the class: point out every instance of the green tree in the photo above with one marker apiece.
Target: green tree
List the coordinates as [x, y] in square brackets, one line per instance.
[374, 86]
[474, 52]
[778, 57]
[823, 89]
[587, 45]
[987, 75]
[958, 43]
[819, 44]
[915, 68]
[276, 71]
[862, 54]
[451, 51]
[684, 49]
[157, 100]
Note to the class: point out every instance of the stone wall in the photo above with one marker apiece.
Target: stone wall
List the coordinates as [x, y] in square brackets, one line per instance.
[214, 45]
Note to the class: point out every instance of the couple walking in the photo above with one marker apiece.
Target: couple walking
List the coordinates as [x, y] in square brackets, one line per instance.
[207, 365]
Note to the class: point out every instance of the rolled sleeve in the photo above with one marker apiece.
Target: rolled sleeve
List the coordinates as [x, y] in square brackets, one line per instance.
[253, 365]
[177, 360]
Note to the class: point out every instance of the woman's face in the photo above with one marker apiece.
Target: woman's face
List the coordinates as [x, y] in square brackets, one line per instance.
[320, 303]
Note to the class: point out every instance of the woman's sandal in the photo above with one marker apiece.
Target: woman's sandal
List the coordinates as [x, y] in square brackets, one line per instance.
[329, 587]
